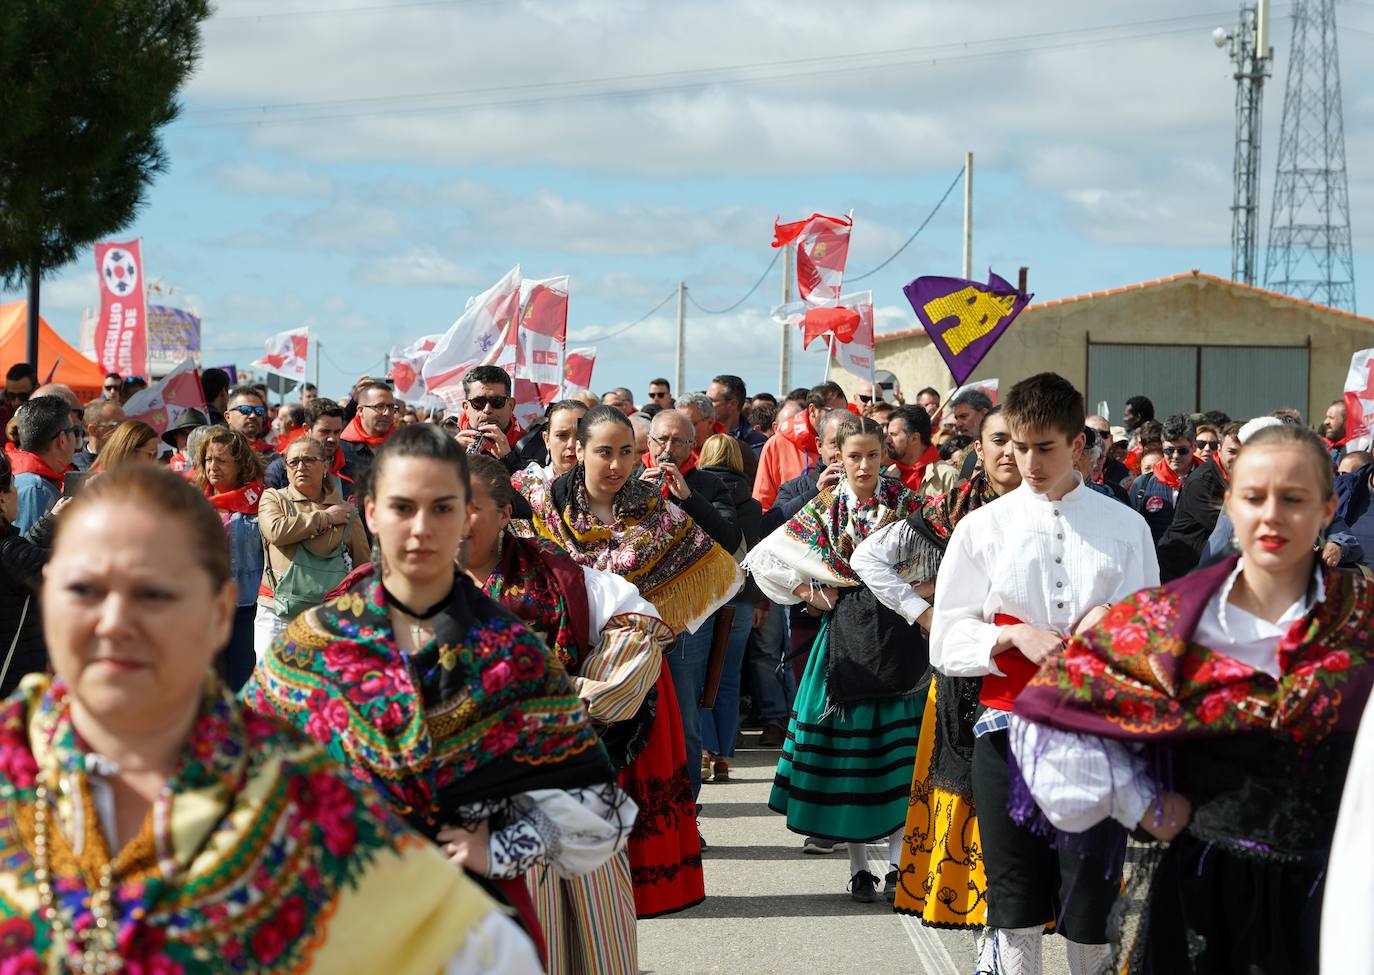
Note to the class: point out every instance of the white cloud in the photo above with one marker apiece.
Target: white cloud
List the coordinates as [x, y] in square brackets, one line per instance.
[253, 179]
[422, 267]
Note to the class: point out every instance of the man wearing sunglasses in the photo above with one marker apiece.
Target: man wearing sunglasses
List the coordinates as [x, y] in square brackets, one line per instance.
[489, 413]
[112, 386]
[47, 439]
[660, 393]
[1155, 492]
[247, 414]
[20, 382]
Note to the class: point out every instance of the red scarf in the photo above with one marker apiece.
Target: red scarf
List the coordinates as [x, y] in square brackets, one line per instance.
[513, 433]
[178, 462]
[337, 467]
[263, 447]
[1165, 475]
[799, 432]
[1017, 670]
[354, 433]
[244, 500]
[648, 461]
[287, 440]
[912, 475]
[1216, 456]
[23, 462]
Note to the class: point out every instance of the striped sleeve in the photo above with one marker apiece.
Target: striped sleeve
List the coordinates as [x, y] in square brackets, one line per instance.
[617, 675]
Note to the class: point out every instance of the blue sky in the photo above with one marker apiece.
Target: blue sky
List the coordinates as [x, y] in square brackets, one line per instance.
[364, 167]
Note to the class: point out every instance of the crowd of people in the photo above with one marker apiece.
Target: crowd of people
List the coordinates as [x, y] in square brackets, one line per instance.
[348, 685]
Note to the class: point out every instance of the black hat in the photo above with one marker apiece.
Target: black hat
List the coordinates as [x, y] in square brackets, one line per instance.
[189, 419]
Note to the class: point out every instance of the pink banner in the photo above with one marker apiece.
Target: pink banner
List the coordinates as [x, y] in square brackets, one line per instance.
[121, 332]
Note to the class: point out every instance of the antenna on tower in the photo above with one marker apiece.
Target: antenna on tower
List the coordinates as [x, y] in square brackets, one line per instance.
[1309, 253]
[1251, 53]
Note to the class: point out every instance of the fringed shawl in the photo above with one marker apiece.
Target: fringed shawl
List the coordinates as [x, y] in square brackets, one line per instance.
[541, 585]
[653, 544]
[481, 714]
[261, 856]
[1138, 676]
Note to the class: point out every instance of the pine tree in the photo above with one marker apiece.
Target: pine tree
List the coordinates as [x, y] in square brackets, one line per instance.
[87, 87]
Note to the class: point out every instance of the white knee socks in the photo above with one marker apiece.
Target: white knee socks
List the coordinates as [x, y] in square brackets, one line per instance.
[1088, 959]
[1016, 951]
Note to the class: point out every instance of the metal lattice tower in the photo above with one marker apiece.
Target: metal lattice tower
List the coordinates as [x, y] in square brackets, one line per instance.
[1250, 51]
[1309, 253]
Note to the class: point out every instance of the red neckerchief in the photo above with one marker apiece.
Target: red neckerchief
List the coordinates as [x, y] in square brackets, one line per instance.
[244, 500]
[912, 475]
[337, 467]
[178, 462]
[799, 432]
[1165, 474]
[292, 436]
[1216, 456]
[23, 462]
[513, 433]
[354, 433]
[1133, 460]
[263, 447]
[648, 461]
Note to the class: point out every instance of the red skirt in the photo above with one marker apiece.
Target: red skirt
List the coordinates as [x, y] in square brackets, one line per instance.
[665, 849]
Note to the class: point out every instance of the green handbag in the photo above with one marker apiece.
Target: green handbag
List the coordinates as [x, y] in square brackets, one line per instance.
[309, 576]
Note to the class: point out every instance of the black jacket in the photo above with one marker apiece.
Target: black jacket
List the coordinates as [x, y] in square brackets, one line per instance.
[1195, 515]
[792, 496]
[748, 515]
[711, 507]
[21, 570]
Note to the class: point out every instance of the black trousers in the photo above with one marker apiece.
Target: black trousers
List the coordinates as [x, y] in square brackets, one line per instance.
[1029, 882]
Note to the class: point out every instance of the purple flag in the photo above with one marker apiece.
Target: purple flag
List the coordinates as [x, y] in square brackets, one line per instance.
[964, 318]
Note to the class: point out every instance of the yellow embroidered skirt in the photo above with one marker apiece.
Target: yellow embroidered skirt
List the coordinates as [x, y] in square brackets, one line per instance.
[941, 878]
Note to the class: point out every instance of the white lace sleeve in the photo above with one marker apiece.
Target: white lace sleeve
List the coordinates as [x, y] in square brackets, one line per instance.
[875, 562]
[495, 946]
[574, 830]
[1080, 780]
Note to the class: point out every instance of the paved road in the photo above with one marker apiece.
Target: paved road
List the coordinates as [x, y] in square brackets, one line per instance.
[772, 909]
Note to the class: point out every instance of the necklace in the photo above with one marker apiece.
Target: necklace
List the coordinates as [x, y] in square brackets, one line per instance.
[421, 629]
[99, 943]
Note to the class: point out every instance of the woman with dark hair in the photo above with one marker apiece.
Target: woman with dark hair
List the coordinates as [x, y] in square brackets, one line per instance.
[22, 558]
[560, 441]
[442, 700]
[229, 471]
[611, 641]
[605, 517]
[154, 824]
[845, 770]
[1218, 715]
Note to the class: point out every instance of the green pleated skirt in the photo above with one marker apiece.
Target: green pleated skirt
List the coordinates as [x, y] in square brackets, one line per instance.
[846, 775]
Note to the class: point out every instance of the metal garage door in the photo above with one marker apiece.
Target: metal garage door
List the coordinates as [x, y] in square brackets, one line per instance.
[1165, 373]
[1246, 382]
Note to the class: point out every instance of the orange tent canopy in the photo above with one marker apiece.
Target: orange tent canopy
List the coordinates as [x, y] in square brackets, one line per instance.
[75, 370]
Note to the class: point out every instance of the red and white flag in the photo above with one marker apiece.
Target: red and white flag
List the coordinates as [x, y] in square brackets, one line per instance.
[1359, 400]
[858, 354]
[287, 353]
[482, 335]
[543, 330]
[160, 404]
[407, 364]
[822, 246]
[577, 369]
[121, 331]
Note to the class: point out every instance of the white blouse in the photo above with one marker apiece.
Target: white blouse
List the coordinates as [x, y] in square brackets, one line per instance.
[1079, 780]
[1046, 563]
[875, 562]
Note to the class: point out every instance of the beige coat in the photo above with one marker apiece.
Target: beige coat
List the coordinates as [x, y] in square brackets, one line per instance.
[282, 530]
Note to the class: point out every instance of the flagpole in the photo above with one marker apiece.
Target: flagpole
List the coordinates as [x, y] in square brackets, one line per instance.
[785, 354]
[829, 354]
[968, 215]
[318, 347]
[680, 366]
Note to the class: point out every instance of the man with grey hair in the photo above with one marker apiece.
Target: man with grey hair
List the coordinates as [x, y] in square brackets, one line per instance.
[621, 398]
[641, 423]
[47, 440]
[967, 410]
[101, 416]
[701, 413]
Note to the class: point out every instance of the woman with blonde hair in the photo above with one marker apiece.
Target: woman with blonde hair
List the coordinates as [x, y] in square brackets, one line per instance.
[313, 540]
[229, 471]
[133, 441]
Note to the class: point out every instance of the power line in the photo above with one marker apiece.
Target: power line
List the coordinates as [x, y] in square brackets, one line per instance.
[916, 233]
[747, 295]
[332, 11]
[625, 328]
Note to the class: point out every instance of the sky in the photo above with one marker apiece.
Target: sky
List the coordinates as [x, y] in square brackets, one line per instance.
[364, 167]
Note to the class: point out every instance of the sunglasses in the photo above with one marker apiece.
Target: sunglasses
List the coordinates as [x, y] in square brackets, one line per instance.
[865, 399]
[1208, 444]
[113, 389]
[1180, 451]
[659, 395]
[484, 403]
[18, 397]
[249, 410]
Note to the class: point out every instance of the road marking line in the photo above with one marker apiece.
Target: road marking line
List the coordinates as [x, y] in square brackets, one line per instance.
[930, 951]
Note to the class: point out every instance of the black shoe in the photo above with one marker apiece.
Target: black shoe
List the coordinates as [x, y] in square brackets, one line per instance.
[773, 736]
[863, 887]
[702, 840]
[890, 886]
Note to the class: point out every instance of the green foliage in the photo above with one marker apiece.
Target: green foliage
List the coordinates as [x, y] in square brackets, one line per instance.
[87, 86]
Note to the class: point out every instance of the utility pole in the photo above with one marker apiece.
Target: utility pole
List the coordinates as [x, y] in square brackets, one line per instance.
[1250, 52]
[968, 215]
[319, 349]
[680, 371]
[785, 354]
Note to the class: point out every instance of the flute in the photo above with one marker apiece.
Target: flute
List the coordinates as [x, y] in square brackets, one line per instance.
[660, 474]
[476, 446]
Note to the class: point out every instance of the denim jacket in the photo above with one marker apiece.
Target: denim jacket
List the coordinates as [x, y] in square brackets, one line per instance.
[245, 554]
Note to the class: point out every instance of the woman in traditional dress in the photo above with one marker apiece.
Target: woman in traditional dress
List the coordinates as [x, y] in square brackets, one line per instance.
[560, 439]
[606, 518]
[611, 641]
[442, 700]
[229, 471]
[149, 823]
[1218, 714]
[941, 878]
[846, 766]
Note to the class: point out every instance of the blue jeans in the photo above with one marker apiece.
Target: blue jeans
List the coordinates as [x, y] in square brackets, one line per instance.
[719, 724]
[687, 663]
[774, 685]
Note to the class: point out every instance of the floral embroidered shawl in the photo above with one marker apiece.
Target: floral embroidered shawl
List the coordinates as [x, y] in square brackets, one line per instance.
[483, 713]
[543, 587]
[1139, 676]
[263, 857]
[653, 544]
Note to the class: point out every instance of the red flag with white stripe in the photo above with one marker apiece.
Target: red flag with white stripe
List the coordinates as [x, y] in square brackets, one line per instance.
[858, 353]
[482, 335]
[543, 331]
[1359, 399]
[161, 403]
[407, 365]
[577, 368]
[286, 354]
[822, 247]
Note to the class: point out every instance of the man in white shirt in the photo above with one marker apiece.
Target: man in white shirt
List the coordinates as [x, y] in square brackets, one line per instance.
[1018, 578]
